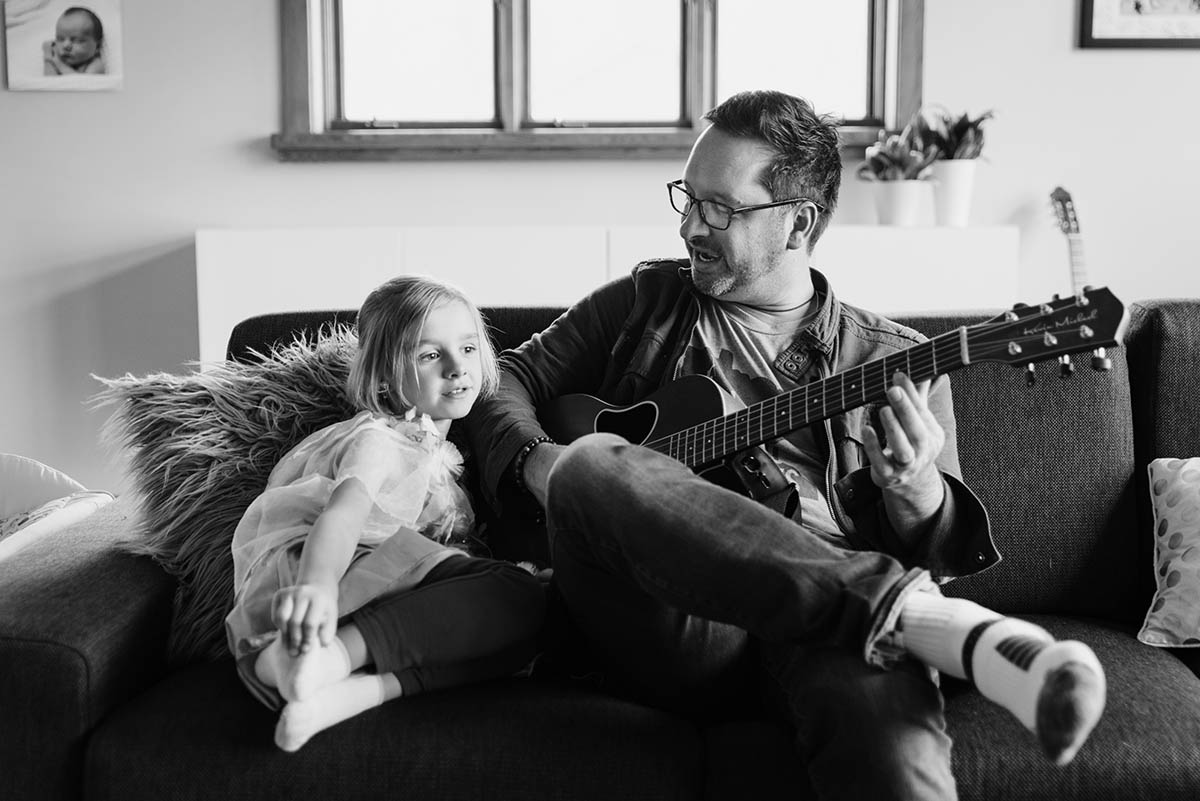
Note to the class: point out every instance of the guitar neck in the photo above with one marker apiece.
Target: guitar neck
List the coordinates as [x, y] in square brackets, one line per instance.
[1078, 271]
[782, 414]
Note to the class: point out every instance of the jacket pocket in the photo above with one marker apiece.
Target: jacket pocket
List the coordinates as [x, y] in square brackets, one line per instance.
[848, 436]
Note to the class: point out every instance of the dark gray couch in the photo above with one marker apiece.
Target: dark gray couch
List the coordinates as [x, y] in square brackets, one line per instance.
[89, 710]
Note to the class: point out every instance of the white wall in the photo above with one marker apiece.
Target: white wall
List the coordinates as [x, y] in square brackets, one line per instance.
[100, 193]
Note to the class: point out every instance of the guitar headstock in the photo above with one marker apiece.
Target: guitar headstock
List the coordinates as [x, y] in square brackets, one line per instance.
[1064, 210]
[1085, 322]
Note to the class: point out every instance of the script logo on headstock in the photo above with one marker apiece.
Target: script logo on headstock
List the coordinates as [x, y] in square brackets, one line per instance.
[1069, 321]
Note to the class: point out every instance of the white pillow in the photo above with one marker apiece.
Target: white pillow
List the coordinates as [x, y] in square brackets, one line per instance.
[21, 529]
[27, 483]
[1173, 619]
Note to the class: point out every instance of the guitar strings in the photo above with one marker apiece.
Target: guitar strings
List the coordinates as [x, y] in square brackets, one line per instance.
[713, 440]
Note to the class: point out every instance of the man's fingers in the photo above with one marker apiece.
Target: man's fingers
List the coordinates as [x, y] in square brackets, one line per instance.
[899, 441]
[910, 402]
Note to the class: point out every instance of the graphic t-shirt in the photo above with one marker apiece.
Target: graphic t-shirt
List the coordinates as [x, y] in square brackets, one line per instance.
[735, 345]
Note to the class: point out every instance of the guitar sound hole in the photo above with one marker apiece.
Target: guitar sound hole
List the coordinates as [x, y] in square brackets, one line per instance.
[634, 423]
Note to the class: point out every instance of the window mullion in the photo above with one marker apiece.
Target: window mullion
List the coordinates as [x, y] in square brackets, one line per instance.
[331, 35]
[520, 63]
[909, 59]
[878, 61]
[507, 45]
[699, 60]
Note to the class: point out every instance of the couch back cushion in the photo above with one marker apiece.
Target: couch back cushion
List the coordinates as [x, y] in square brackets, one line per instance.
[1052, 463]
[1164, 374]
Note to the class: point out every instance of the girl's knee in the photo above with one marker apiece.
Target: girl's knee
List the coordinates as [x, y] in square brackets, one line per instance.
[520, 599]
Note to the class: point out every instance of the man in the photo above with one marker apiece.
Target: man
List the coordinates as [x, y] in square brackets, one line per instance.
[670, 579]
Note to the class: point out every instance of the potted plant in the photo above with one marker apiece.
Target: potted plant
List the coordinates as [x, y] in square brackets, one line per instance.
[896, 158]
[897, 166]
[956, 142]
[952, 138]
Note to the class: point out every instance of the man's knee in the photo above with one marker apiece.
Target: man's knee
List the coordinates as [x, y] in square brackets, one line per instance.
[587, 462]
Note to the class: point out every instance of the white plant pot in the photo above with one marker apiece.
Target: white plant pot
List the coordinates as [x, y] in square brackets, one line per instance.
[953, 184]
[899, 202]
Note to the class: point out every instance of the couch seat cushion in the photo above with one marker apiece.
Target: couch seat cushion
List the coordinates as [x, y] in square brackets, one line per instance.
[1147, 745]
[199, 735]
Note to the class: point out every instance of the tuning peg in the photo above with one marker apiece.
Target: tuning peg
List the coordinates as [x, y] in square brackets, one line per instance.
[1100, 362]
[1065, 368]
[1030, 375]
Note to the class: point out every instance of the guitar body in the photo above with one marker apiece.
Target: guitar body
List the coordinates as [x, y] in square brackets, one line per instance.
[690, 401]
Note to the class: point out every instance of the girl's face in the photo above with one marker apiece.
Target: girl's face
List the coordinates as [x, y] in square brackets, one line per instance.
[448, 369]
[75, 41]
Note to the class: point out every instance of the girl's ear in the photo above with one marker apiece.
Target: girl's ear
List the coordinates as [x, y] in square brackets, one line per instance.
[804, 221]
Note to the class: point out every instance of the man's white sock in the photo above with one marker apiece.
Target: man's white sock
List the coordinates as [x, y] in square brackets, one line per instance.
[1056, 689]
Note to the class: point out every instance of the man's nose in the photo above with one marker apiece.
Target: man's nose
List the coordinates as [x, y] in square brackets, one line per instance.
[692, 224]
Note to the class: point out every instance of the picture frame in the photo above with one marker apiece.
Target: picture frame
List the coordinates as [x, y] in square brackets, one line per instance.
[63, 45]
[1139, 23]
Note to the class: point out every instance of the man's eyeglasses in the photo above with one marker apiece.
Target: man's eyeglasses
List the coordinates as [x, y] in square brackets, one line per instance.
[718, 215]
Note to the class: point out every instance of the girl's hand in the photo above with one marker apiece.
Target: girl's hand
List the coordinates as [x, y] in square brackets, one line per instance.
[305, 614]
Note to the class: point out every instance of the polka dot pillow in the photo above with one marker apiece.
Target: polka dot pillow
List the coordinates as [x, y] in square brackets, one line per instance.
[1174, 616]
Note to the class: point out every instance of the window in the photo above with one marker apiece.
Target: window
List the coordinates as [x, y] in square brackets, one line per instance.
[408, 79]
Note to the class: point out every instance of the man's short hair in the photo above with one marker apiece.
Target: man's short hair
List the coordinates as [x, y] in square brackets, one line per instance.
[807, 162]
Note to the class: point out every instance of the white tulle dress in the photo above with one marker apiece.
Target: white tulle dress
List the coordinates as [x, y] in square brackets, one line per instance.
[409, 471]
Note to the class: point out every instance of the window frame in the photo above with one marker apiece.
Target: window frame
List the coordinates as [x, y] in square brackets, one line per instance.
[311, 129]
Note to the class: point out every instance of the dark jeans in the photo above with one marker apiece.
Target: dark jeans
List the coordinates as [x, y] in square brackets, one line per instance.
[673, 582]
[470, 619]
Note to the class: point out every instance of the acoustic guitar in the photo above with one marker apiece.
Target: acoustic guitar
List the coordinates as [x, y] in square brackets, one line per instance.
[697, 423]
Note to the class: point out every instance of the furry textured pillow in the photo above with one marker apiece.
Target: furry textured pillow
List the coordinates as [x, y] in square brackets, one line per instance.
[1174, 615]
[201, 447]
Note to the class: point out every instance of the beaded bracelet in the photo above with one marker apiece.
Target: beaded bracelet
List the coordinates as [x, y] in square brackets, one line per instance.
[522, 455]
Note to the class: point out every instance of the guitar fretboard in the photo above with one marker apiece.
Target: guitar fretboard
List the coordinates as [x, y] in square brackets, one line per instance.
[778, 416]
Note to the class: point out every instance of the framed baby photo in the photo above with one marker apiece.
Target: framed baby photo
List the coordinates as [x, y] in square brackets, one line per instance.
[1139, 23]
[63, 45]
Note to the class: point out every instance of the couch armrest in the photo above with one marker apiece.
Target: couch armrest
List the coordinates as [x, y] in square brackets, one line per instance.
[83, 627]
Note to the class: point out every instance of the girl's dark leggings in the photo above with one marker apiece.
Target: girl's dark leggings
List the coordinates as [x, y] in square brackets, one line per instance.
[470, 619]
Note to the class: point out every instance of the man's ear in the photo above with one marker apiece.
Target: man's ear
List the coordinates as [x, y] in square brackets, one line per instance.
[804, 221]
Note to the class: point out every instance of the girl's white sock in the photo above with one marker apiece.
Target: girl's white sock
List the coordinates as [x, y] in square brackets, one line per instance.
[1056, 689]
[298, 677]
[332, 704]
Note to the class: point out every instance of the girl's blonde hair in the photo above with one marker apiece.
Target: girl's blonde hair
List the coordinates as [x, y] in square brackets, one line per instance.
[389, 328]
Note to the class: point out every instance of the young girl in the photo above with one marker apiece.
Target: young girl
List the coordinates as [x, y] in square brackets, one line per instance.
[350, 587]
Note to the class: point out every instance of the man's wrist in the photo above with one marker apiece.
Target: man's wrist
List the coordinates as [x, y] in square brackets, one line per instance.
[522, 457]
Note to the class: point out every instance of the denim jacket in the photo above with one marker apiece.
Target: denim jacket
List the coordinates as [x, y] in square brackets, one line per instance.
[621, 342]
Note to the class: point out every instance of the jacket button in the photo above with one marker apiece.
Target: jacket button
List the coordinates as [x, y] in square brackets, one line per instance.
[850, 497]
